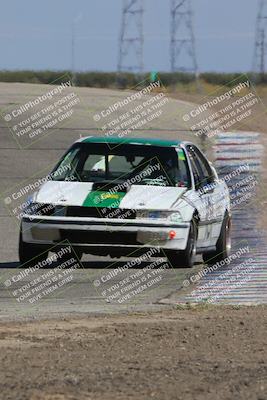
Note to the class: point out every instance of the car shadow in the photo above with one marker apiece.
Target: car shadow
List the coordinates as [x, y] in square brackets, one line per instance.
[9, 265]
[113, 264]
[110, 264]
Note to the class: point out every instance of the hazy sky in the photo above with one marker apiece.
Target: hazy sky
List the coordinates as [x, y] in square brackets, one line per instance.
[37, 34]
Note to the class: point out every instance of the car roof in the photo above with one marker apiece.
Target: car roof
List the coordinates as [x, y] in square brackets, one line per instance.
[131, 140]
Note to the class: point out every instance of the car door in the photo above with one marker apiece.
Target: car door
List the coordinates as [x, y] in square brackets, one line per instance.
[205, 187]
[212, 190]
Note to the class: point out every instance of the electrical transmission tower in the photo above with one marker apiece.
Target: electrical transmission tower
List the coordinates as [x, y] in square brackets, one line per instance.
[131, 37]
[183, 52]
[260, 50]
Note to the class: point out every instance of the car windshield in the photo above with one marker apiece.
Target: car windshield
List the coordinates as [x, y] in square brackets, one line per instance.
[136, 164]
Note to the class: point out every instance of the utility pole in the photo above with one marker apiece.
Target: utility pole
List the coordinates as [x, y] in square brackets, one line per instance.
[73, 44]
[182, 48]
[131, 37]
[260, 49]
[74, 24]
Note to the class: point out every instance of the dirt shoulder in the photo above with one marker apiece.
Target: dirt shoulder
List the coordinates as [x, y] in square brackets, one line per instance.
[203, 353]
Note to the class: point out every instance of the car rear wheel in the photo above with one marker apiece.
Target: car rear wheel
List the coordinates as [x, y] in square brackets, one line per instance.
[223, 245]
[187, 257]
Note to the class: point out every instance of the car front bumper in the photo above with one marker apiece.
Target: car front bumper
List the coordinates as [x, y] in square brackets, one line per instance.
[91, 232]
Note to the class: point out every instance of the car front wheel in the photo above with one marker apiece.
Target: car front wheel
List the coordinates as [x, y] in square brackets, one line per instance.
[187, 257]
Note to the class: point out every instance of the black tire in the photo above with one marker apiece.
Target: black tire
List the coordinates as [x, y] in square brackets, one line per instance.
[187, 257]
[223, 245]
[29, 253]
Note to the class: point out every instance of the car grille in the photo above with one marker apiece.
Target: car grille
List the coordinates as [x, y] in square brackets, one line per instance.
[94, 212]
[77, 211]
[87, 237]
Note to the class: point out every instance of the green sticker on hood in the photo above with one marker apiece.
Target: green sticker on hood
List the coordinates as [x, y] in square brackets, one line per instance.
[103, 199]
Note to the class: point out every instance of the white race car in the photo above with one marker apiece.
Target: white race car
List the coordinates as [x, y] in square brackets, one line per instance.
[111, 196]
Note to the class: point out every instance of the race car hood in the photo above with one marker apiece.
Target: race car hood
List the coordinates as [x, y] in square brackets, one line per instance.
[83, 194]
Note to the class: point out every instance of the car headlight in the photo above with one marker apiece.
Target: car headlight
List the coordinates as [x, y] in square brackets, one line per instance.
[29, 207]
[172, 216]
[46, 210]
[175, 217]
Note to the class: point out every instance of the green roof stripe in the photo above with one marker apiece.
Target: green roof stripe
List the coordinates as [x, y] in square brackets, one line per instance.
[144, 141]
